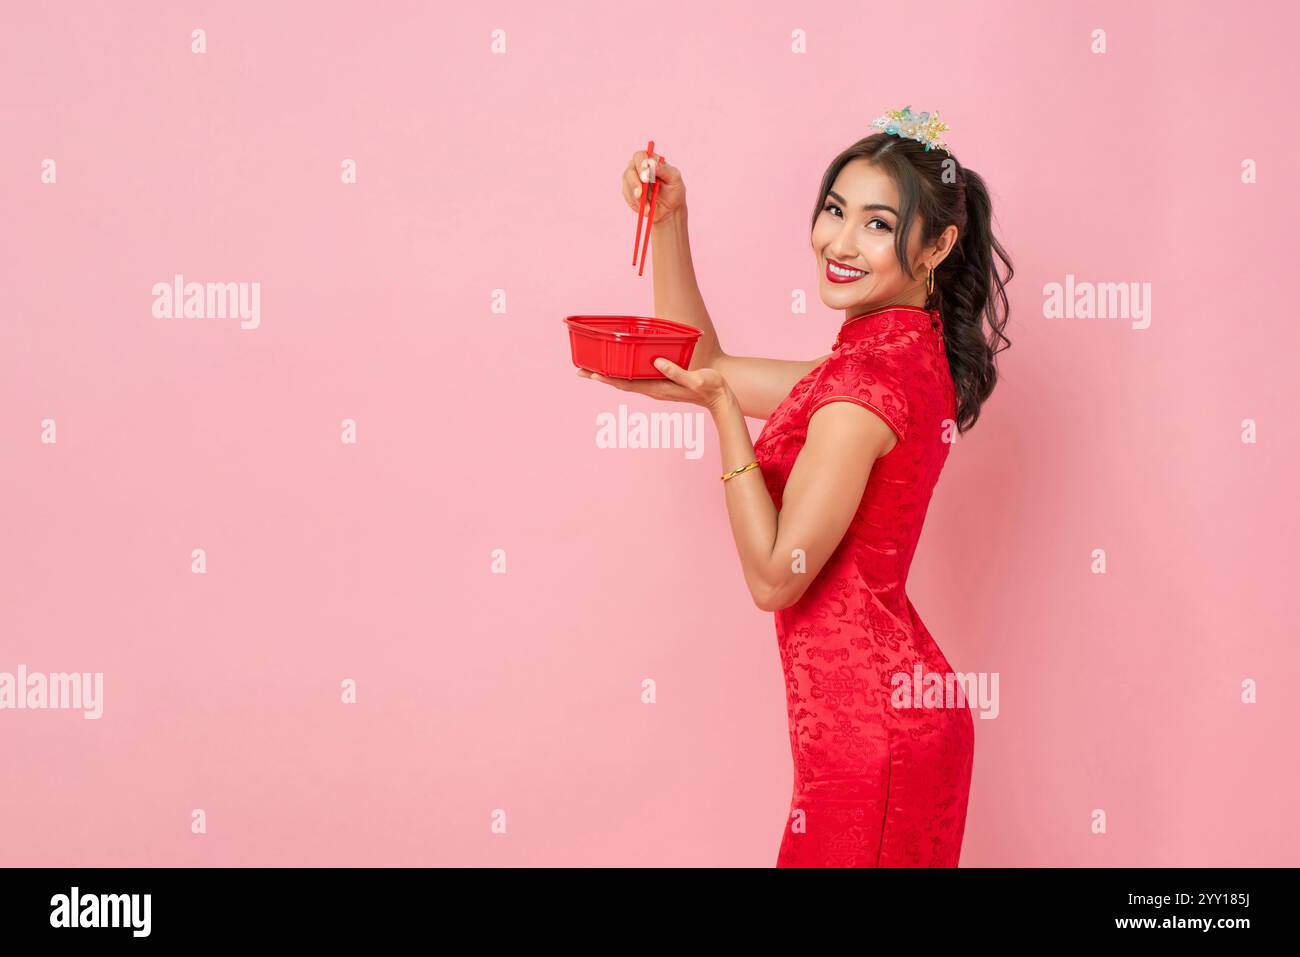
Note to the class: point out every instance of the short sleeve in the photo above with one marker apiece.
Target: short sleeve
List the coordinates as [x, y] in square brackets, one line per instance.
[874, 385]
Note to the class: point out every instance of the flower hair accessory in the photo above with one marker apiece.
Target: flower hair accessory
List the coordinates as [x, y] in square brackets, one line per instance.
[922, 127]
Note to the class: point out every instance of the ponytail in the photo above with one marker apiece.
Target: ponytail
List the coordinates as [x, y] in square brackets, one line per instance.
[967, 290]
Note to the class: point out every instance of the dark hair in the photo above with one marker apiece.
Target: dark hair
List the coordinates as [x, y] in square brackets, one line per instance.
[967, 287]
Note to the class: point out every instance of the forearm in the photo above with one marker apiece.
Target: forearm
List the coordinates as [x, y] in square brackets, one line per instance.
[754, 517]
[677, 293]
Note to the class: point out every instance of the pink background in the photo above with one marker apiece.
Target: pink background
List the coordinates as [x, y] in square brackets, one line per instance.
[521, 691]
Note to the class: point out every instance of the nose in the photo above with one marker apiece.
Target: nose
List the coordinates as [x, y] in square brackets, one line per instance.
[842, 248]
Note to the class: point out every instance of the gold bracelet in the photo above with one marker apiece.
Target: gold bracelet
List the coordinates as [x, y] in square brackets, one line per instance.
[743, 468]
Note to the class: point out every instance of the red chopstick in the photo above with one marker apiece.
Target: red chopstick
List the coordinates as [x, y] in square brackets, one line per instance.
[636, 244]
[654, 196]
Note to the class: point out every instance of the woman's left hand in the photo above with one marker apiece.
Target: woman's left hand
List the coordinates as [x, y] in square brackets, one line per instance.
[704, 387]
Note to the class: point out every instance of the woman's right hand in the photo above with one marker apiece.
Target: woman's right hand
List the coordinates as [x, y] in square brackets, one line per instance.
[672, 191]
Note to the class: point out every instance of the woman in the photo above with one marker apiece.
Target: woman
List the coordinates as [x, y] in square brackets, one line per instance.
[827, 506]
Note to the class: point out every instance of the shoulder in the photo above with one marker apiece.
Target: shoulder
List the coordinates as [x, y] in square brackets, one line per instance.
[852, 424]
[875, 373]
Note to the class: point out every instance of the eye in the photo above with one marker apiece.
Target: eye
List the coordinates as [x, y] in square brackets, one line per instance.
[875, 219]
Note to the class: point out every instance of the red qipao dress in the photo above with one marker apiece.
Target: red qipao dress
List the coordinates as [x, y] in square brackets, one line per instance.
[875, 785]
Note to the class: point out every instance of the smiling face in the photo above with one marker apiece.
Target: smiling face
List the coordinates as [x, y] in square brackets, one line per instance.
[856, 261]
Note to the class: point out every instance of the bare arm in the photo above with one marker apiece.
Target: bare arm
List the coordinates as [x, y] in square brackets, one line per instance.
[821, 496]
[781, 552]
[759, 384]
[677, 292]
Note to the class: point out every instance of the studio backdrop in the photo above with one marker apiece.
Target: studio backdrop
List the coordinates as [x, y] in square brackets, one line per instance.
[316, 551]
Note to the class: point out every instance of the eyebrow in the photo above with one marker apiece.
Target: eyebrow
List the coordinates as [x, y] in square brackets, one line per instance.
[867, 208]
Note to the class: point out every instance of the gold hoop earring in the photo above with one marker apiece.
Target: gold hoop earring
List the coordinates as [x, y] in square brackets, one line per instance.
[929, 283]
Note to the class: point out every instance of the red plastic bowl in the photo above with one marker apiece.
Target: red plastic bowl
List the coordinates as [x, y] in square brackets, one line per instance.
[625, 347]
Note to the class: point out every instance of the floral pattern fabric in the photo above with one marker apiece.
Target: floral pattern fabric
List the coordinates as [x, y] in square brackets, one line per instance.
[875, 784]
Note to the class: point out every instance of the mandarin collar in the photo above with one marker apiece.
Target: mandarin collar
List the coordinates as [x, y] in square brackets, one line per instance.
[865, 324]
